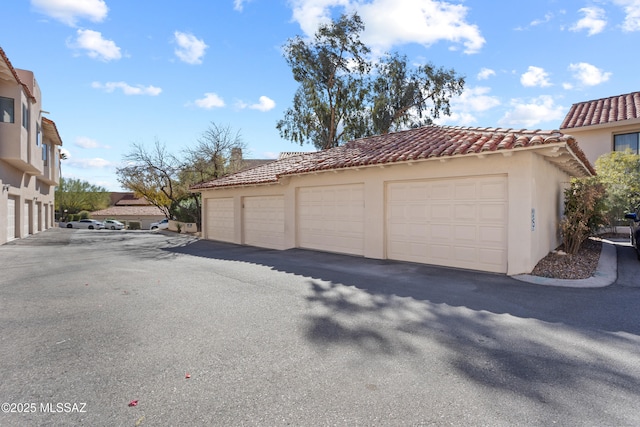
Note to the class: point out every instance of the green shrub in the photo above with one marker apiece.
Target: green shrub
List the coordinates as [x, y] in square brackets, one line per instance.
[134, 225]
[584, 212]
[83, 215]
[620, 174]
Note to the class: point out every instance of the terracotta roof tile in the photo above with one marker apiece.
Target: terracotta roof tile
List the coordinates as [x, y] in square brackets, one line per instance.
[411, 145]
[51, 131]
[13, 71]
[603, 111]
[132, 211]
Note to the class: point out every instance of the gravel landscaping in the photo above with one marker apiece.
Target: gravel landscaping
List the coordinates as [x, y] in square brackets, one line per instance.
[582, 265]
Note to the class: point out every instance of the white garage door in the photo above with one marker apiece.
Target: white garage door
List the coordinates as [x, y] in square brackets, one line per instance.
[220, 223]
[263, 222]
[331, 218]
[36, 219]
[11, 219]
[455, 222]
[25, 218]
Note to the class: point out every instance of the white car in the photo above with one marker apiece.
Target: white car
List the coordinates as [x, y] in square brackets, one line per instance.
[112, 224]
[91, 224]
[161, 225]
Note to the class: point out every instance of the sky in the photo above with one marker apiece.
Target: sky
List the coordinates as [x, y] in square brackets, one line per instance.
[118, 72]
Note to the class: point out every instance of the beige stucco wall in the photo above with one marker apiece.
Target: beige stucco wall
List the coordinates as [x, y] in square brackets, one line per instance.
[548, 184]
[23, 174]
[24, 188]
[533, 184]
[598, 140]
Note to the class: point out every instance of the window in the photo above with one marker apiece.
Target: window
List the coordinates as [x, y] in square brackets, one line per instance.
[626, 141]
[45, 154]
[38, 132]
[6, 110]
[25, 117]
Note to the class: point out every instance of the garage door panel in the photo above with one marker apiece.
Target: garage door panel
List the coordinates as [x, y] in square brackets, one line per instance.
[465, 211]
[465, 191]
[438, 191]
[263, 221]
[220, 219]
[456, 222]
[493, 190]
[464, 233]
[331, 218]
[493, 212]
[492, 235]
[11, 219]
[465, 254]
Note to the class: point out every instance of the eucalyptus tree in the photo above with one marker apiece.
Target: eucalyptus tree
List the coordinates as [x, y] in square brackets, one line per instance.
[403, 97]
[345, 94]
[331, 70]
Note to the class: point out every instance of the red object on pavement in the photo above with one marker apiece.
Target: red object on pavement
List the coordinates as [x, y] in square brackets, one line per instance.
[133, 403]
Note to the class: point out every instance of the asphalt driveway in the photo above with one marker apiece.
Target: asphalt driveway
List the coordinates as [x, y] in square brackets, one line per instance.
[204, 333]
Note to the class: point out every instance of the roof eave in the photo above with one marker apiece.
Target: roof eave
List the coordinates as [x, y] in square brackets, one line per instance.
[619, 123]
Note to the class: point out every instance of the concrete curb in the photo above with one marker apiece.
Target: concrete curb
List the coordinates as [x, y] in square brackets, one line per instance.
[606, 272]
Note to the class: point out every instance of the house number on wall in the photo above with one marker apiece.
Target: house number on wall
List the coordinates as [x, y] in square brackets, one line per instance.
[533, 219]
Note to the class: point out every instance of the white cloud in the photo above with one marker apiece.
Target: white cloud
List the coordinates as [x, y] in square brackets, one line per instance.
[389, 22]
[210, 100]
[190, 49]
[465, 107]
[529, 114]
[127, 89]
[264, 104]
[96, 46]
[594, 20]
[95, 163]
[69, 11]
[239, 4]
[589, 75]
[535, 76]
[547, 18]
[632, 11]
[84, 142]
[485, 73]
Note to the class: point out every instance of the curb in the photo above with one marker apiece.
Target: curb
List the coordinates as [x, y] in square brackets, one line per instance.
[606, 272]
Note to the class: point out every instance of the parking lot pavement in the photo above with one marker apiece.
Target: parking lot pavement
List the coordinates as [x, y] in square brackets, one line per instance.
[204, 333]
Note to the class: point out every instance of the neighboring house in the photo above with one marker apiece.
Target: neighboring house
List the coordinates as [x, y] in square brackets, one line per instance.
[605, 125]
[29, 155]
[476, 198]
[125, 207]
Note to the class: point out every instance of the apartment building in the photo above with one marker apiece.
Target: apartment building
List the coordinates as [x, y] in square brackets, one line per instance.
[29, 155]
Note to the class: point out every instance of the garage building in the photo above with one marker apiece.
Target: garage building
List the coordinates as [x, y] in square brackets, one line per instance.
[474, 198]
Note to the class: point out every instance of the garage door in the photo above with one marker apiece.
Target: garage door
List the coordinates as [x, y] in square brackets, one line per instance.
[11, 219]
[263, 222]
[25, 218]
[331, 218]
[220, 223]
[456, 222]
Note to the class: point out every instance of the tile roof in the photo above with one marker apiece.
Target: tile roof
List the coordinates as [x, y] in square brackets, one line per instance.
[129, 199]
[51, 131]
[131, 211]
[411, 145]
[603, 111]
[14, 73]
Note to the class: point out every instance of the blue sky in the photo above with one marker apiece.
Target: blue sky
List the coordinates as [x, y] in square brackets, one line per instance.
[118, 72]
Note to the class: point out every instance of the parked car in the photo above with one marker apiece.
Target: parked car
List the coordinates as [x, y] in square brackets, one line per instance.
[160, 225]
[112, 224]
[634, 226]
[91, 224]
